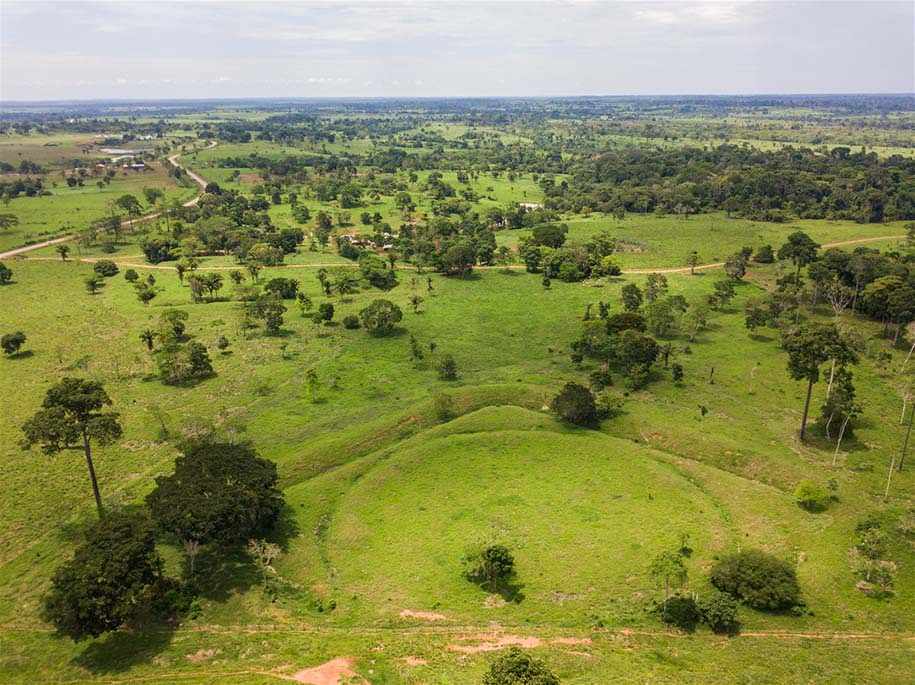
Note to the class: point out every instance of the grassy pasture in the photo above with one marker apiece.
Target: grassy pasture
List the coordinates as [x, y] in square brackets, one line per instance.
[364, 455]
[67, 209]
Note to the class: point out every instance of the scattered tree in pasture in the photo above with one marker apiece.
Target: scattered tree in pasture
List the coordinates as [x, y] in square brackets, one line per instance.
[447, 368]
[183, 363]
[655, 287]
[575, 404]
[149, 338]
[63, 250]
[131, 276]
[809, 347]
[6, 274]
[110, 579]
[799, 249]
[668, 570]
[491, 566]
[105, 267]
[11, 343]
[692, 261]
[631, 296]
[71, 418]
[758, 579]
[218, 494]
[380, 317]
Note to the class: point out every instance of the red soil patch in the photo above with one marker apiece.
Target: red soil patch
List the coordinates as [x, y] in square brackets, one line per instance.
[331, 673]
[423, 615]
[492, 642]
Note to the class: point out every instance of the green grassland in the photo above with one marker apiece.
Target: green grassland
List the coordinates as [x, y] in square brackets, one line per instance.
[383, 498]
[71, 209]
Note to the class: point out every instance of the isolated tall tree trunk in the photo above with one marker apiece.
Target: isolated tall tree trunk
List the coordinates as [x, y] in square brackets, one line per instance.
[806, 409]
[95, 490]
[832, 375]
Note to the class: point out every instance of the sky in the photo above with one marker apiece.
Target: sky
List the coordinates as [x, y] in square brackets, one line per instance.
[149, 49]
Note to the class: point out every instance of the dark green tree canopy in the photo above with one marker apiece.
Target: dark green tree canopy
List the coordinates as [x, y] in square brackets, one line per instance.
[70, 411]
[217, 493]
[109, 580]
[575, 404]
[380, 317]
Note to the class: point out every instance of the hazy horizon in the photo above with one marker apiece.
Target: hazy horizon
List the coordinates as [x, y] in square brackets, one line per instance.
[67, 51]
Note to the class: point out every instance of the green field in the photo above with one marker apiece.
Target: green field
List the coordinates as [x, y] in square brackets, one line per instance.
[385, 491]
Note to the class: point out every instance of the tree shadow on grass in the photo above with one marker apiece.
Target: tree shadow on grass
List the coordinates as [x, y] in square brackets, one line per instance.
[122, 650]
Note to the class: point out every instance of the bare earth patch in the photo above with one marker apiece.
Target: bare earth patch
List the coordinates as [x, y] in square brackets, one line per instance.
[415, 661]
[493, 641]
[423, 615]
[334, 672]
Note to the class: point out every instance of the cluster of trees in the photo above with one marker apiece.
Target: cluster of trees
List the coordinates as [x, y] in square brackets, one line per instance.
[547, 252]
[751, 577]
[219, 496]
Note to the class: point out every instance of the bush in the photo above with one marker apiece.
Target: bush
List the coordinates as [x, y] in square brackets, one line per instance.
[760, 580]
[517, 667]
[719, 611]
[681, 612]
[447, 368]
[106, 268]
[811, 496]
[131, 276]
[351, 321]
[575, 404]
[443, 406]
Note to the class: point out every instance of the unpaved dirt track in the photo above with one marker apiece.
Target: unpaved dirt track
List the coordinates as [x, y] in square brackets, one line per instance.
[200, 181]
[513, 267]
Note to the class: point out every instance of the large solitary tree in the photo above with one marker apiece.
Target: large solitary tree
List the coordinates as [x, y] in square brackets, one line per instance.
[800, 249]
[71, 417]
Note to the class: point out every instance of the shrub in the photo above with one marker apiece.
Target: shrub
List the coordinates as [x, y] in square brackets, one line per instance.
[351, 321]
[760, 580]
[106, 268]
[443, 406]
[681, 612]
[517, 667]
[719, 611]
[131, 276]
[811, 496]
[380, 317]
[575, 404]
[6, 274]
[447, 368]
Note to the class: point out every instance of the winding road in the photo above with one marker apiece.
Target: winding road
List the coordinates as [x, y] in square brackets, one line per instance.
[173, 160]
